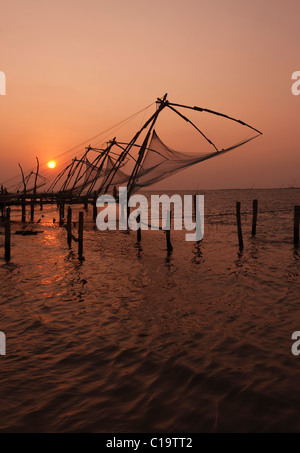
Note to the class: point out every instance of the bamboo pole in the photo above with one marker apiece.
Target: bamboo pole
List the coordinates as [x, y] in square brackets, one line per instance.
[168, 232]
[36, 175]
[80, 235]
[2, 204]
[69, 227]
[61, 213]
[95, 207]
[23, 178]
[23, 202]
[296, 225]
[86, 204]
[7, 235]
[254, 220]
[32, 210]
[139, 230]
[239, 225]
[128, 215]
[2, 210]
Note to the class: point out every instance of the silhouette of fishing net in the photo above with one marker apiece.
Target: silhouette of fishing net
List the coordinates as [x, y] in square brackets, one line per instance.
[30, 183]
[117, 166]
[161, 161]
[93, 177]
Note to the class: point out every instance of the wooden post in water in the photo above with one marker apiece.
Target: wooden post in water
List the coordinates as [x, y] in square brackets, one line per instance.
[168, 232]
[69, 227]
[2, 204]
[7, 235]
[23, 201]
[95, 207]
[254, 220]
[41, 203]
[139, 230]
[128, 215]
[296, 225]
[61, 213]
[195, 207]
[239, 225]
[2, 210]
[80, 235]
[32, 210]
[86, 204]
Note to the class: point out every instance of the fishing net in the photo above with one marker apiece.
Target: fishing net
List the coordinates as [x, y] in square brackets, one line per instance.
[120, 177]
[94, 176]
[161, 161]
[155, 160]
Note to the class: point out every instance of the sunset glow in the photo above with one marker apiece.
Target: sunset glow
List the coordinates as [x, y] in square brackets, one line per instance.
[150, 219]
[66, 106]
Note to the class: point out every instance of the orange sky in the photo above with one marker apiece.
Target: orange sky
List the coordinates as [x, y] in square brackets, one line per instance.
[75, 68]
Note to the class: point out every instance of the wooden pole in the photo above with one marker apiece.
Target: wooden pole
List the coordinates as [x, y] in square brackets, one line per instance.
[69, 227]
[139, 231]
[296, 225]
[23, 201]
[95, 207]
[41, 203]
[2, 204]
[7, 235]
[128, 215]
[61, 213]
[32, 210]
[86, 204]
[239, 225]
[80, 235]
[36, 175]
[254, 220]
[168, 232]
[23, 178]
[2, 210]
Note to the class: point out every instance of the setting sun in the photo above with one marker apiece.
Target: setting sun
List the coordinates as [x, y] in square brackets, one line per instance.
[51, 164]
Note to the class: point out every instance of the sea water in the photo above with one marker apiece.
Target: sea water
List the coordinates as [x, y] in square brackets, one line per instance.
[135, 339]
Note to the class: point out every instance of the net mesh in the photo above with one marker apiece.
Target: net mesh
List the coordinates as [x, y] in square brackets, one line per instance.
[161, 161]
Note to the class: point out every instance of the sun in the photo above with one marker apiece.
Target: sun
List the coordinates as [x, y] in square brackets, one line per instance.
[51, 164]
